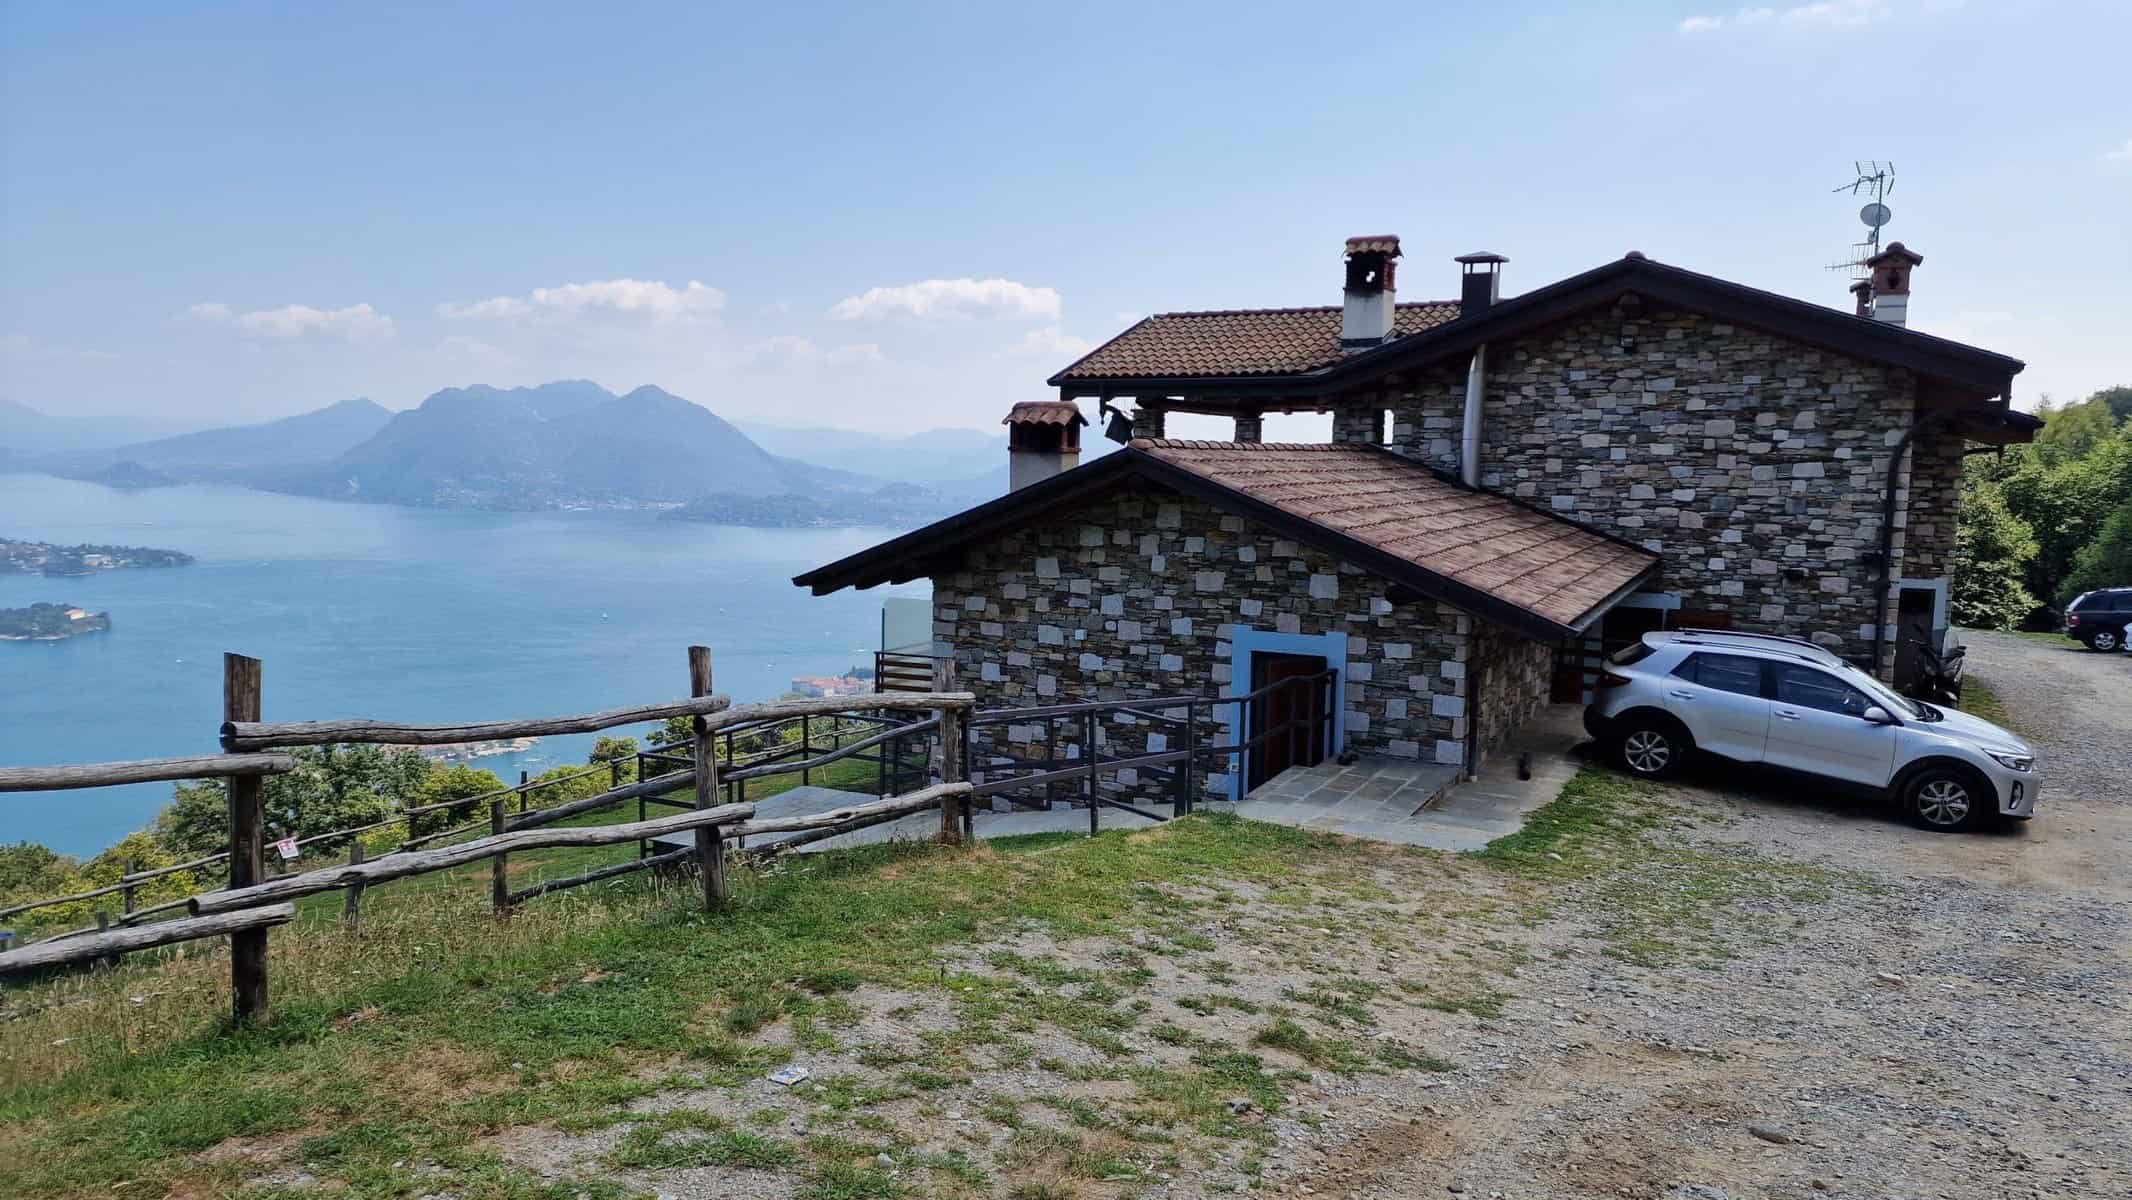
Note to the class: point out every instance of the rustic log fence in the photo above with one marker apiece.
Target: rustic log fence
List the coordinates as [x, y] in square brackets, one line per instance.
[250, 903]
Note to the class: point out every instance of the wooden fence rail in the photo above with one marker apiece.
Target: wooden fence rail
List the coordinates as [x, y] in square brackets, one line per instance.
[421, 862]
[144, 770]
[104, 944]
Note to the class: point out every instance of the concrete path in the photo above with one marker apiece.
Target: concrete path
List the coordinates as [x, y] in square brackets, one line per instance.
[919, 827]
[1423, 804]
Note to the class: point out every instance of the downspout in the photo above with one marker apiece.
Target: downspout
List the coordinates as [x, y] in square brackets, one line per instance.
[1469, 442]
[1887, 541]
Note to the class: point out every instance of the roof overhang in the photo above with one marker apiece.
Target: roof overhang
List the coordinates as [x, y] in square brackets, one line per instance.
[937, 547]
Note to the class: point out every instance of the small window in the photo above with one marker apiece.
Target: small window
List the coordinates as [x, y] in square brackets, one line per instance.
[1809, 688]
[1724, 672]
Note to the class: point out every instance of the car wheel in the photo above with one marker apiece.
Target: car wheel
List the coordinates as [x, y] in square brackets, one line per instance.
[1650, 749]
[2104, 639]
[1949, 800]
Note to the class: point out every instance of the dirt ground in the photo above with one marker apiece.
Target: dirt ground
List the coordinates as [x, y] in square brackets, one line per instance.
[1782, 995]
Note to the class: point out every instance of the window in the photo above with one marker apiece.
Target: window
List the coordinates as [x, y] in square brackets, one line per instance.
[1724, 672]
[1809, 688]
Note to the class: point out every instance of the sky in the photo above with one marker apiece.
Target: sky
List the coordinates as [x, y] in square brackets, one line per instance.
[897, 217]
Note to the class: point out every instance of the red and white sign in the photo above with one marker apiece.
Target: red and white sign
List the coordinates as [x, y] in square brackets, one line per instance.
[287, 847]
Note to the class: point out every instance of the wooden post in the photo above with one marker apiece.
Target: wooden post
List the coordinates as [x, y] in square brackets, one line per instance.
[126, 897]
[710, 847]
[103, 925]
[499, 863]
[247, 844]
[352, 911]
[949, 766]
[806, 747]
[1191, 752]
[521, 789]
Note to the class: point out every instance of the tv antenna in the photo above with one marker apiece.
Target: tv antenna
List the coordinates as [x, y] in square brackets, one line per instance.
[1875, 179]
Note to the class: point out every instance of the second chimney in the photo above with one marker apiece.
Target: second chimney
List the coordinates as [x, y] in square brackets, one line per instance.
[1891, 282]
[1043, 439]
[1366, 314]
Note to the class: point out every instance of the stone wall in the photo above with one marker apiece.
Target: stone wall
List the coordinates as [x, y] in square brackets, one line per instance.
[1516, 675]
[1140, 593]
[1755, 465]
[1934, 493]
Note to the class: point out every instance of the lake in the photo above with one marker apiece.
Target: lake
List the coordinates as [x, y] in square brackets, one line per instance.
[375, 611]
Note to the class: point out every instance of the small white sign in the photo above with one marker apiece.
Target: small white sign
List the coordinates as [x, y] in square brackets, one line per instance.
[287, 847]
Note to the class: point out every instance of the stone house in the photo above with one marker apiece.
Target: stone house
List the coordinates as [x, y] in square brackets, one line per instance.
[1513, 486]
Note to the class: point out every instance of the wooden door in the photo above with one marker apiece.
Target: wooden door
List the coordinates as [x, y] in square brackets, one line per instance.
[1302, 700]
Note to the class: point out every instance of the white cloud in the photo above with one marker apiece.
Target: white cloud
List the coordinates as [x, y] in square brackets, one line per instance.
[1824, 14]
[789, 350]
[355, 323]
[2121, 154]
[1051, 342]
[649, 299]
[932, 299]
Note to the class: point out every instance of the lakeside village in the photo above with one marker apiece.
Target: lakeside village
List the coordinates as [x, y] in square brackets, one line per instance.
[50, 622]
[45, 558]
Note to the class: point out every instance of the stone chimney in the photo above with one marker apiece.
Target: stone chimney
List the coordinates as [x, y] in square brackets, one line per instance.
[1043, 439]
[1366, 315]
[1890, 281]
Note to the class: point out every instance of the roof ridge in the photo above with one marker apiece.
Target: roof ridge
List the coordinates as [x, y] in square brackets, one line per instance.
[1205, 444]
[1293, 309]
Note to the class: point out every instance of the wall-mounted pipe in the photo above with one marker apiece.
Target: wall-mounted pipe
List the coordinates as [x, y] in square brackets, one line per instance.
[1469, 441]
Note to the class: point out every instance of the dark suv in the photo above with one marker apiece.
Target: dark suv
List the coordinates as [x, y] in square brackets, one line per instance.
[2099, 618]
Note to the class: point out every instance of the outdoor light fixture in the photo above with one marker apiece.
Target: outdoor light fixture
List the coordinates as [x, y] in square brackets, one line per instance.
[1119, 427]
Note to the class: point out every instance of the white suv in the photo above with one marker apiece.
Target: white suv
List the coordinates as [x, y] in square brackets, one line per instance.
[1757, 698]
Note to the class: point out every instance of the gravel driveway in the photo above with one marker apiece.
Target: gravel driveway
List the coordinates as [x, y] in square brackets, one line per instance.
[2075, 701]
[1778, 994]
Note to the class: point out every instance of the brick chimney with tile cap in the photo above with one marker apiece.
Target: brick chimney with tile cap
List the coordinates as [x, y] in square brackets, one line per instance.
[1366, 314]
[1043, 439]
[1890, 280]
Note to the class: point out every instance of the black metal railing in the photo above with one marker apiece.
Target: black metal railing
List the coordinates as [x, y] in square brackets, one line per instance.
[1072, 765]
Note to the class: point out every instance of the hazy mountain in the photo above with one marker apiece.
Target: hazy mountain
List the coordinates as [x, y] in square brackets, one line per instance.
[560, 444]
[240, 452]
[25, 432]
[927, 456]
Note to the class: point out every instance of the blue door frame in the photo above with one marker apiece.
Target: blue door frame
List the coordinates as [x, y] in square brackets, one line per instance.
[1245, 642]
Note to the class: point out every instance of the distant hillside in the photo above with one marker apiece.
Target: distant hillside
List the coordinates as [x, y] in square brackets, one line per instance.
[561, 445]
[242, 453]
[926, 457]
[26, 433]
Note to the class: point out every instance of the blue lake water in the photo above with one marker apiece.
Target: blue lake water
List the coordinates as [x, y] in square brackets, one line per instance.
[375, 611]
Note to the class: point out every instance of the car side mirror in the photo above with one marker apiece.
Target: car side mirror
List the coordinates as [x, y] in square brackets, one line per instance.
[1876, 715]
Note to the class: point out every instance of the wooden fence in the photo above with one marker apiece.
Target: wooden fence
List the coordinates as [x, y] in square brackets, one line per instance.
[251, 903]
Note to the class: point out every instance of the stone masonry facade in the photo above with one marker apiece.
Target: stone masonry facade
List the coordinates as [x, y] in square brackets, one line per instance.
[1754, 464]
[1141, 593]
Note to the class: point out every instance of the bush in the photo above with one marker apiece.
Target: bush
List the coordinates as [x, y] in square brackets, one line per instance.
[2105, 561]
[1992, 550]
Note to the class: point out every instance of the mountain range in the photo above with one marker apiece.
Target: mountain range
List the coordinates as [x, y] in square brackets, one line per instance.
[568, 444]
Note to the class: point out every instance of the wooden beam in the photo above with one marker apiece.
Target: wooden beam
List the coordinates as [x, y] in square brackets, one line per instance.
[421, 862]
[257, 735]
[142, 770]
[86, 946]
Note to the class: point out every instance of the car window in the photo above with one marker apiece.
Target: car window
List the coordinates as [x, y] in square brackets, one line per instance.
[1809, 688]
[1725, 672]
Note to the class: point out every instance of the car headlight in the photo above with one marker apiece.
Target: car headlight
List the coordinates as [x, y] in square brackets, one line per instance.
[2012, 761]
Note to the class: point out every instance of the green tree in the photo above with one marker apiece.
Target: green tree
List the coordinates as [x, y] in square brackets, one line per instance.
[609, 749]
[2107, 560]
[455, 782]
[332, 788]
[1992, 550]
[2064, 504]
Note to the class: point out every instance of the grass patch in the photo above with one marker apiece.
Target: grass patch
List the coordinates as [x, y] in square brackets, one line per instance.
[684, 1138]
[439, 1025]
[1653, 896]
[1332, 1054]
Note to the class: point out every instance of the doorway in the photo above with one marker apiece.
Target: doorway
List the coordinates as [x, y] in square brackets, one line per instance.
[1301, 701]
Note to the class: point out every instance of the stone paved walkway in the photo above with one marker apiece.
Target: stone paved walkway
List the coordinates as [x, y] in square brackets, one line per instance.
[1423, 804]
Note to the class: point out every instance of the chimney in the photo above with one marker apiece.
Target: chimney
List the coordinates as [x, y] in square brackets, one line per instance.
[1890, 282]
[1366, 315]
[1863, 290]
[1479, 277]
[1043, 439]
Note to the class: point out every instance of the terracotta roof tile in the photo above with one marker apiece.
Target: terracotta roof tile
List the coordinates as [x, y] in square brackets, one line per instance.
[1261, 341]
[1044, 412]
[1523, 556]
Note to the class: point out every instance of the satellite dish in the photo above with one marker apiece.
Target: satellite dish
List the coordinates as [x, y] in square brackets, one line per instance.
[1876, 215]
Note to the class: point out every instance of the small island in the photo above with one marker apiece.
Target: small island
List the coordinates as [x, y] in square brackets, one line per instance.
[44, 558]
[50, 622]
